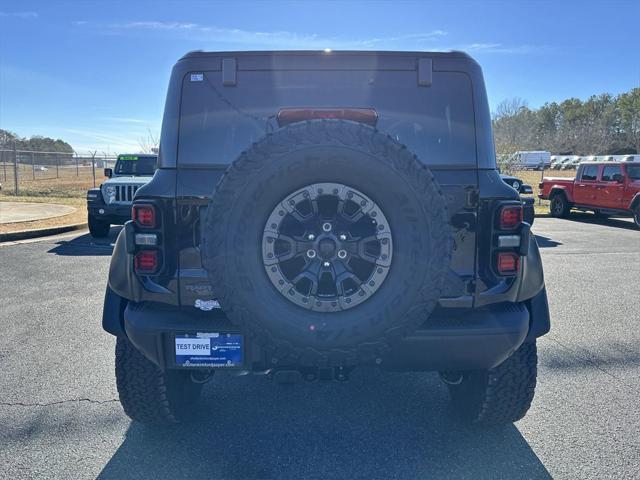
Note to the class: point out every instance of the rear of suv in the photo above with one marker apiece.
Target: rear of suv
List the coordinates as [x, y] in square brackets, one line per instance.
[314, 212]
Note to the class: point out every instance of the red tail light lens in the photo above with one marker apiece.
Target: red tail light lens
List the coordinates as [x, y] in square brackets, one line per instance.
[510, 217]
[363, 115]
[144, 216]
[508, 263]
[146, 261]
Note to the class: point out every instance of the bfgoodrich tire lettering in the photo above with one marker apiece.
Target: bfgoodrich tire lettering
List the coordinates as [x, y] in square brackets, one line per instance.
[308, 153]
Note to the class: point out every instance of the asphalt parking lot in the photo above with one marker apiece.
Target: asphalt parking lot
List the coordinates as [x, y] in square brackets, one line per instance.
[60, 418]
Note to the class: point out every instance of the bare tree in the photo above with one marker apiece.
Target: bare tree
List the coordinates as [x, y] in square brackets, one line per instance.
[148, 143]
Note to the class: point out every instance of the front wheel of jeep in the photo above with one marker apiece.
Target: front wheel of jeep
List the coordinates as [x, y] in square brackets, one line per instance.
[148, 394]
[636, 217]
[98, 228]
[499, 395]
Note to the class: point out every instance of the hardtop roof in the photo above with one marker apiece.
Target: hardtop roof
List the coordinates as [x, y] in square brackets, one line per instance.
[382, 53]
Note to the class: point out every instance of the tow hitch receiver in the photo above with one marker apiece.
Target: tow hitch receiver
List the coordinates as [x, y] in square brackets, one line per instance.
[288, 377]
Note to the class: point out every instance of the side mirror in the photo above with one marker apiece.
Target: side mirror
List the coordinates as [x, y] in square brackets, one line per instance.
[617, 177]
[108, 172]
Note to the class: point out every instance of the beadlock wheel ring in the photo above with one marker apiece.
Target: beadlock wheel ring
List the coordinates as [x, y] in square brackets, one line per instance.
[351, 240]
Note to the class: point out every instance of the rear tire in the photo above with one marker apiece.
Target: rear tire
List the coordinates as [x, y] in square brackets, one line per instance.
[636, 217]
[500, 395]
[148, 394]
[98, 228]
[559, 207]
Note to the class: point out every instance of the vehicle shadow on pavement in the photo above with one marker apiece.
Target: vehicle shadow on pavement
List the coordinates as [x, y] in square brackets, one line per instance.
[546, 242]
[86, 245]
[378, 425]
[609, 222]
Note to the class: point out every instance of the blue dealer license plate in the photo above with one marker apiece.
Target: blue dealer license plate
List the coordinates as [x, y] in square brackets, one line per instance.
[209, 350]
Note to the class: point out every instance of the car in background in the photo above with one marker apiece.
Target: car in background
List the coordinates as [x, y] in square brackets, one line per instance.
[560, 162]
[572, 163]
[516, 183]
[605, 188]
[110, 204]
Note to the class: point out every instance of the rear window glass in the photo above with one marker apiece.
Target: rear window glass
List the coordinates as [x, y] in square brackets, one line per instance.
[633, 171]
[590, 172]
[436, 123]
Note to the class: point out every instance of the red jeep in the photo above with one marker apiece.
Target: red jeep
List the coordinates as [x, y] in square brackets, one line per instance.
[606, 188]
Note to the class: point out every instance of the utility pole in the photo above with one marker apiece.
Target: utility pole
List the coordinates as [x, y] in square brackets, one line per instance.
[93, 167]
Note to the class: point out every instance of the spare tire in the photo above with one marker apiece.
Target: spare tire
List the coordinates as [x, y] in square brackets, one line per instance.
[325, 242]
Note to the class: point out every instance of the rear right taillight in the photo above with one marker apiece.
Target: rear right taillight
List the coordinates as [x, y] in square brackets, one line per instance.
[144, 215]
[510, 217]
[146, 261]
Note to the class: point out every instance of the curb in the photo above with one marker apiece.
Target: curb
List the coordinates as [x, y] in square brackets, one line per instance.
[40, 232]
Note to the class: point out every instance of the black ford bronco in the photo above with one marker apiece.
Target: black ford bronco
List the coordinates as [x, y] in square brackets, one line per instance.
[314, 212]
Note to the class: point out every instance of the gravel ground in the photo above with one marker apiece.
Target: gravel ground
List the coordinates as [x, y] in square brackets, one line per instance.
[60, 418]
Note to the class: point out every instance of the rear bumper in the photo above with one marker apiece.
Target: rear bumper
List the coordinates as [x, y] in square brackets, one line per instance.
[464, 339]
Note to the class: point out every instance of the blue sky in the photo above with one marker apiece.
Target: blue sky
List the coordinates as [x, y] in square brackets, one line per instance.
[96, 73]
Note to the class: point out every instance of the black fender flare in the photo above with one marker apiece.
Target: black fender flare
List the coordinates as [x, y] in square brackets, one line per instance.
[113, 313]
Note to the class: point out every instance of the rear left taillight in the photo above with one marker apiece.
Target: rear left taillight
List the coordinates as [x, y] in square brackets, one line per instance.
[144, 215]
[507, 263]
[146, 261]
[510, 217]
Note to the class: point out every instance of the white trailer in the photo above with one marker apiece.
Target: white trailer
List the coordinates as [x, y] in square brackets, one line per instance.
[532, 160]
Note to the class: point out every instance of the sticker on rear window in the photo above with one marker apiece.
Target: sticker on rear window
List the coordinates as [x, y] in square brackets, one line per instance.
[197, 77]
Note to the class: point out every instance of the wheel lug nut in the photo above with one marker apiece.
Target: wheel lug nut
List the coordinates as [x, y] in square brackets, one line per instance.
[311, 253]
[343, 237]
[326, 264]
[342, 254]
[326, 227]
[311, 236]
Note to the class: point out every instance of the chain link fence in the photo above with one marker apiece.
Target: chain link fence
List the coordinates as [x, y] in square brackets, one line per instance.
[25, 172]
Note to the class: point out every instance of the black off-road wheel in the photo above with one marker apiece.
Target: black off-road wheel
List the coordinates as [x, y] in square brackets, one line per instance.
[559, 206]
[326, 242]
[497, 396]
[148, 394]
[98, 228]
[636, 216]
